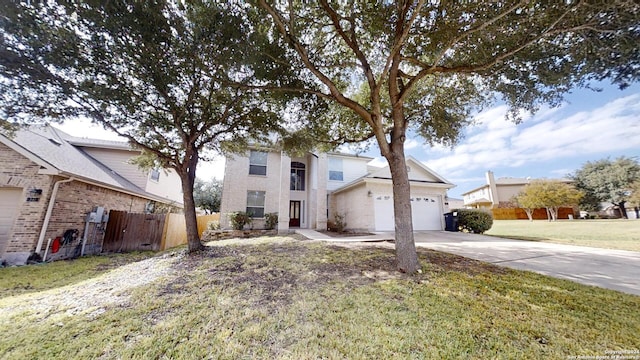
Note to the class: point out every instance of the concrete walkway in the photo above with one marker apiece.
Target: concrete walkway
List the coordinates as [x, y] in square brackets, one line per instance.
[611, 269]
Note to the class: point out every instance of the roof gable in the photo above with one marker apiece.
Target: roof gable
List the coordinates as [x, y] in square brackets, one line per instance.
[417, 172]
[49, 147]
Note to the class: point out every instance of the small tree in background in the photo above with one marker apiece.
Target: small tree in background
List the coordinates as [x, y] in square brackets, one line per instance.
[207, 195]
[548, 194]
[608, 181]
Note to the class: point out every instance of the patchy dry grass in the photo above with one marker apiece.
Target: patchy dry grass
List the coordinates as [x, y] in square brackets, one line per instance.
[282, 298]
[33, 278]
[618, 234]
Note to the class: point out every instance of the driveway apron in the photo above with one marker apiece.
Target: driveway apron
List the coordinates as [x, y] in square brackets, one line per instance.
[611, 269]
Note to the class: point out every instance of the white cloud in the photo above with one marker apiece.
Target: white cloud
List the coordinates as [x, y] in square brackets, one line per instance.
[411, 144]
[213, 169]
[83, 127]
[544, 137]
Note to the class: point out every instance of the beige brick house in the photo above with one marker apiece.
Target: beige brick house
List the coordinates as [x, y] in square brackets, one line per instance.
[497, 192]
[50, 182]
[307, 191]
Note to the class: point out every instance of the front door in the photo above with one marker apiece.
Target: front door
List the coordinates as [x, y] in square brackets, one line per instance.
[294, 214]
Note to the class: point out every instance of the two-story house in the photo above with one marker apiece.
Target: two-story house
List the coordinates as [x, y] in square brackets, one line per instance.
[496, 191]
[308, 191]
[50, 181]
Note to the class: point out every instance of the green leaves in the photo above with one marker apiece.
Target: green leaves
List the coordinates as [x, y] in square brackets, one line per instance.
[608, 180]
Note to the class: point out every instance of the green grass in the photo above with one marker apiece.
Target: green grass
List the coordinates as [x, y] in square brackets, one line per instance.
[287, 299]
[609, 234]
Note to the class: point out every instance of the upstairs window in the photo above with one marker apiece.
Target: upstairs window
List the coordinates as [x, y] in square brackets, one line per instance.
[258, 163]
[255, 203]
[155, 175]
[335, 169]
[297, 176]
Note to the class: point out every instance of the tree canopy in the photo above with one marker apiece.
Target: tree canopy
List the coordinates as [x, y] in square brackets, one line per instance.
[608, 180]
[548, 194]
[156, 73]
[387, 68]
[208, 194]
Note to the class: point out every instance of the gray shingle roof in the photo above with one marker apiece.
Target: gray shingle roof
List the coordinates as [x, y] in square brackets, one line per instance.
[57, 148]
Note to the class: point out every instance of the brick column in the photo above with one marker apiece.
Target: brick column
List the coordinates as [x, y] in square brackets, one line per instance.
[285, 194]
[321, 194]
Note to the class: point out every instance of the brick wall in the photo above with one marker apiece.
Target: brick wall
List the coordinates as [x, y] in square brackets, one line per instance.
[76, 199]
[17, 171]
[73, 201]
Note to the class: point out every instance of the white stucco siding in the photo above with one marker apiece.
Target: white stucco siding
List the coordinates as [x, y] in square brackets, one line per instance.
[118, 160]
[168, 186]
[507, 192]
[352, 169]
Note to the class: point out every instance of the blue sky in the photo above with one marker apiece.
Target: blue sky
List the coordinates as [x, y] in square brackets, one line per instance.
[552, 143]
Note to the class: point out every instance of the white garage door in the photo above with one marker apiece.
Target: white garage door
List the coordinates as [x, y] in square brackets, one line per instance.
[426, 213]
[9, 199]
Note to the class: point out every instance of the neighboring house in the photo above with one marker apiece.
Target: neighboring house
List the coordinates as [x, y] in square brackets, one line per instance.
[496, 192]
[307, 191]
[50, 182]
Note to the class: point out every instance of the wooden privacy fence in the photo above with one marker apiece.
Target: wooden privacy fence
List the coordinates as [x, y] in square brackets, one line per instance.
[132, 231]
[520, 214]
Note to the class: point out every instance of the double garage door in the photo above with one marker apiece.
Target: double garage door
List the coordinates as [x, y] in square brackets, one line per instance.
[9, 200]
[426, 212]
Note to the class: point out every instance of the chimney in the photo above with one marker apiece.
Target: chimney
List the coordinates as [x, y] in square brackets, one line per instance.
[493, 190]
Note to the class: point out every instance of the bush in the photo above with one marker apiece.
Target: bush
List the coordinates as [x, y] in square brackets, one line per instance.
[475, 221]
[270, 221]
[339, 222]
[239, 219]
[213, 225]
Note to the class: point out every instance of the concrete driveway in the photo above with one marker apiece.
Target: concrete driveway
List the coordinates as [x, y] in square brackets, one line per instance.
[611, 269]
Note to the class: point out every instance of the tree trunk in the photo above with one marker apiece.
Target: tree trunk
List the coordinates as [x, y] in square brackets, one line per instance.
[188, 177]
[529, 214]
[623, 211]
[406, 255]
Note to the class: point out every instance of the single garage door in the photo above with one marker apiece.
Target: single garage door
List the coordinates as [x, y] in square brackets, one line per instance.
[9, 201]
[426, 213]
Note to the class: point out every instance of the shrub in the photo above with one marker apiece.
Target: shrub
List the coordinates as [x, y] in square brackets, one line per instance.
[339, 222]
[213, 225]
[239, 219]
[270, 221]
[475, 221]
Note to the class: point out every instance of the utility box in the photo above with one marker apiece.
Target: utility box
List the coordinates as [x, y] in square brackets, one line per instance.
[95, 216]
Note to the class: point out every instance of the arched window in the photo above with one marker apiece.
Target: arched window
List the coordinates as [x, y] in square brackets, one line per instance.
[297, 176]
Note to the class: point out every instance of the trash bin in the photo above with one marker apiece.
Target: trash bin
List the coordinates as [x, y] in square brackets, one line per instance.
[451, 221]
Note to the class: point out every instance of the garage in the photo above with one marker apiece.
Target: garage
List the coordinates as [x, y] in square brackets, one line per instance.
[9, 203]
[426, 212]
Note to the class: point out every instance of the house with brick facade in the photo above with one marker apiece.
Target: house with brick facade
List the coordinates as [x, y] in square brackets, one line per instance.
[310, 190]
[52, 182]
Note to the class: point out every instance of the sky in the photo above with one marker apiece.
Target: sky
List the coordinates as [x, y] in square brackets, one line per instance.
[553, 143]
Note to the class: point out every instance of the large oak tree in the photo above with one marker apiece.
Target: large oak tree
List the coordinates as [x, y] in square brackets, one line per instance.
[156, 73]
[392, 67]
[607, 180]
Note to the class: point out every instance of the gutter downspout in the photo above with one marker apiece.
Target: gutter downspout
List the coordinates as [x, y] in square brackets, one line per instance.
[47, 217]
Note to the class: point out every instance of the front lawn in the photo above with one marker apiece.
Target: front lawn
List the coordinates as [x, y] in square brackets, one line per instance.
[289, 299]
[618, 234]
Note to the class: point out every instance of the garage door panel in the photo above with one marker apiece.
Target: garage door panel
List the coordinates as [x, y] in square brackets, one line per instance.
[426, 213]
[9, 203]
